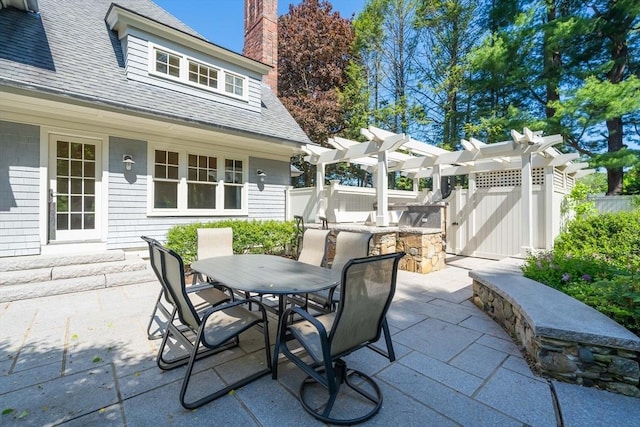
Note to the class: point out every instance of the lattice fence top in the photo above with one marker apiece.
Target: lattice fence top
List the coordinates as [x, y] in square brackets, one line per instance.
[507, 178]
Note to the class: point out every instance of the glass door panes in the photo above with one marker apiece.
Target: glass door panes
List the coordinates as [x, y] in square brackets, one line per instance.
[75, 186]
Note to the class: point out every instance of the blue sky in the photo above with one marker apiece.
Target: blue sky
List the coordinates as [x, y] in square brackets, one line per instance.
[222, 21]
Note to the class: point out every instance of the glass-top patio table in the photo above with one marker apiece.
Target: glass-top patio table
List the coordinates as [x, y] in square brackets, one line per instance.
[267, 274]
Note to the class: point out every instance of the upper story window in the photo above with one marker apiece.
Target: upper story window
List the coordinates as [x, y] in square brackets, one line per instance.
[167, 63]
[234, 84]
[204, 75]
[179, 67]
[188, 183]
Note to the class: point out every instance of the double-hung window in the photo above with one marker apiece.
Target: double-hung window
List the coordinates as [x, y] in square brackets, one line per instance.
[197, 183]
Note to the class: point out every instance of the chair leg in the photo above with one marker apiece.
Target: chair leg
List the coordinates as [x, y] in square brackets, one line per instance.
[154, 335]
[341, 375]
[238, 384]
[390, 353]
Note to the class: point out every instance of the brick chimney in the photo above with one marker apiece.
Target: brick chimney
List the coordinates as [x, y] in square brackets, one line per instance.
[261, 36]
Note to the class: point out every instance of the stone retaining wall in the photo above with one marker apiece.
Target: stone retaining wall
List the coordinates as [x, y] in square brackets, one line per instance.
[579, 362]
[425, 249]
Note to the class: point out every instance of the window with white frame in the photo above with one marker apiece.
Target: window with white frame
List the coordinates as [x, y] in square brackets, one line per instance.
[203, 74]
[234, 181]
[179, 67]
[167, 63]
[234, 84]
[202, 177]
[197, 183]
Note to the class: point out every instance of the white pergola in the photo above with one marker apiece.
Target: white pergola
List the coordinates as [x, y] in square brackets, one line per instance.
[379, 155]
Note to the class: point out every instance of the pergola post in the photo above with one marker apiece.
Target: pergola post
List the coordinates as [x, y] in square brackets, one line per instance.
[382, 190]
[526, 201]
[435, 180]
[322, 201]
[471, 200]
[549, 212]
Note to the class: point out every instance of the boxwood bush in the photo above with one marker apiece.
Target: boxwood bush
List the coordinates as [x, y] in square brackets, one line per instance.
[596, 260]
[268, 237]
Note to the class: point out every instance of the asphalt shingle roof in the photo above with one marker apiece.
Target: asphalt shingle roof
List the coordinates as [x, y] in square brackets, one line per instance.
[69, 50]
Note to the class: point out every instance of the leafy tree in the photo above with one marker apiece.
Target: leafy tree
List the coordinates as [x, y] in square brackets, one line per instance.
[314, 51]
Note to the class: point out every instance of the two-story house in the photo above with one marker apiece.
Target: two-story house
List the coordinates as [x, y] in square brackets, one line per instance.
[116, 120]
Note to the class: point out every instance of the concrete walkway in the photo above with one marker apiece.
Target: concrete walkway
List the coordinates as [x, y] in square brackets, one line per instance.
[84, 359]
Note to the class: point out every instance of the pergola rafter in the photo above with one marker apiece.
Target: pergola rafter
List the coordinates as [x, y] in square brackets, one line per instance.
[379, 155]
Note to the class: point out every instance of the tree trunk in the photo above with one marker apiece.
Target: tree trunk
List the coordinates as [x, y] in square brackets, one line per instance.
[552, 63]
[614, 140]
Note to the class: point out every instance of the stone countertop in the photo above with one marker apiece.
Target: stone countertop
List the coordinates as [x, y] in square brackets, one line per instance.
[361, 227]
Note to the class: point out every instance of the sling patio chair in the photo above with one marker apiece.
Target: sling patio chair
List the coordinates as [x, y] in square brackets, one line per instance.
[200, 294]
[351, 245]
[314, 252]
[213, 242]
[314, 247]
[204, 332]
[368, 285]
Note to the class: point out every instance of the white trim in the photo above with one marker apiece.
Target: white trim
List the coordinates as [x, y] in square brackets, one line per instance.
[54, 114]
[122, 20]
[184, 72]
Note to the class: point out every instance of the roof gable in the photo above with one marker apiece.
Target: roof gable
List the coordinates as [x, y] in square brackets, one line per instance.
[68, 50]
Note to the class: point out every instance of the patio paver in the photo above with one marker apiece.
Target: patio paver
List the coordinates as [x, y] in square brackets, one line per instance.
[84, 359]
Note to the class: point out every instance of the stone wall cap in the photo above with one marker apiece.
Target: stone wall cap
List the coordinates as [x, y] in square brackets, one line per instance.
[552, 313]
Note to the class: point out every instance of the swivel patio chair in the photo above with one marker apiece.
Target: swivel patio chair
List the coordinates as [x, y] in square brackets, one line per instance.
[200, 293]
[351, 245]
[204, 332]
[314, 252]
[368, 285]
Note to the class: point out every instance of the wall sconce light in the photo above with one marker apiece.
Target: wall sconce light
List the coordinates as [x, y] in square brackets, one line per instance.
[261, 175]
[127, 159]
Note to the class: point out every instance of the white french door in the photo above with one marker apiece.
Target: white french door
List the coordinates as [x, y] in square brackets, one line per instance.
[75, 170]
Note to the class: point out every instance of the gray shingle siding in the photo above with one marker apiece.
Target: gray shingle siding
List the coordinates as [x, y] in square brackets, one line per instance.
[268, 201]
[19, 189]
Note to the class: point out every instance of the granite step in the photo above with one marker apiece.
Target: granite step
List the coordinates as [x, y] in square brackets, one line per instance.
[75, 284]
[45, 275]
[57, 272]
[46, 261]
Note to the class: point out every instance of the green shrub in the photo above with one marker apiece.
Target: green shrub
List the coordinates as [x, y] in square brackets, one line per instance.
[268, 237]
[612, 236]
[612, 291]
[596, 260]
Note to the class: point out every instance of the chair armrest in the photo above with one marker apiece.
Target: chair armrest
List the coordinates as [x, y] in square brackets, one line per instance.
[308, 317]
[220, 307]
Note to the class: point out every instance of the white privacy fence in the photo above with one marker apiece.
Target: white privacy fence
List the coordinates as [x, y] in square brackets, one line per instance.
[484, 221]
[606, 204]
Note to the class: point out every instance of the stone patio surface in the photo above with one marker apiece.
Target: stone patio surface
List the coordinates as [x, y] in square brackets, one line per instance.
[84, 359]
